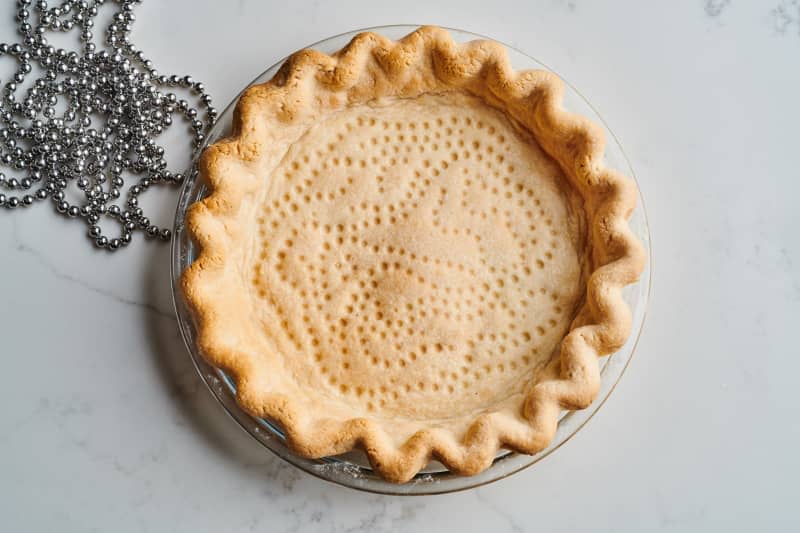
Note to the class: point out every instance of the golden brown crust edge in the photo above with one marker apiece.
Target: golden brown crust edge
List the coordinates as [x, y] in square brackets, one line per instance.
[427, 59]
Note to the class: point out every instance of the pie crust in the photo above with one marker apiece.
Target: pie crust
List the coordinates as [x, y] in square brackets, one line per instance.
[411, 249]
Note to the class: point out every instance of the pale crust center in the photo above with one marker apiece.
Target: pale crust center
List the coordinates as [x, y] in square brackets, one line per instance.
[416, 258]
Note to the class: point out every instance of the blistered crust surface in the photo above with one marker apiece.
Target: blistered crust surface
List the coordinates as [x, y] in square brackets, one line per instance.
[419, 259]
[252, 289]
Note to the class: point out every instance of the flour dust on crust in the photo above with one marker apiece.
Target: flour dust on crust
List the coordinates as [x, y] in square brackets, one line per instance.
[412, 249]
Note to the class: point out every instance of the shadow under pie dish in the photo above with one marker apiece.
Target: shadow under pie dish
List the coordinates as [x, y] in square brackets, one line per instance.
[412, 249]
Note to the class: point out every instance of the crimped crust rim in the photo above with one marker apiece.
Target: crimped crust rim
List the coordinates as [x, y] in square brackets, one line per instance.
[601, 326]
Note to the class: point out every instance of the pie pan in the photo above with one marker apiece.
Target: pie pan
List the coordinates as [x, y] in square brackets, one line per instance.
[352, 469]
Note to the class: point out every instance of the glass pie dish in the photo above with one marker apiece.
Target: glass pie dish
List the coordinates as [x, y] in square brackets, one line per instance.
[352, 469]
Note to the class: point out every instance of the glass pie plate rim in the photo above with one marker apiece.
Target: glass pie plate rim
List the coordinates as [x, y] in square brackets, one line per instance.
[352, 471]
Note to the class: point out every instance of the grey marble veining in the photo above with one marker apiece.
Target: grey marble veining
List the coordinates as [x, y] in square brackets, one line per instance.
[105, 426]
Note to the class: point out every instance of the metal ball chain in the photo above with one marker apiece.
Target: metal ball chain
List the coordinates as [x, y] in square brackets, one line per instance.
[113, 109]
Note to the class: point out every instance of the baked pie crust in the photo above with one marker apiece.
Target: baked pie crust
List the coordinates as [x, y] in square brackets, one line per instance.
[411, 249]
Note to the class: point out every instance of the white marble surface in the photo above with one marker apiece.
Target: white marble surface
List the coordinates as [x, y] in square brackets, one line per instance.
[104, 425]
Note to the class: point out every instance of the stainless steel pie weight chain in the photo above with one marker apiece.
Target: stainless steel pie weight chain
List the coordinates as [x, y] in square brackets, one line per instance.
[115, 105]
